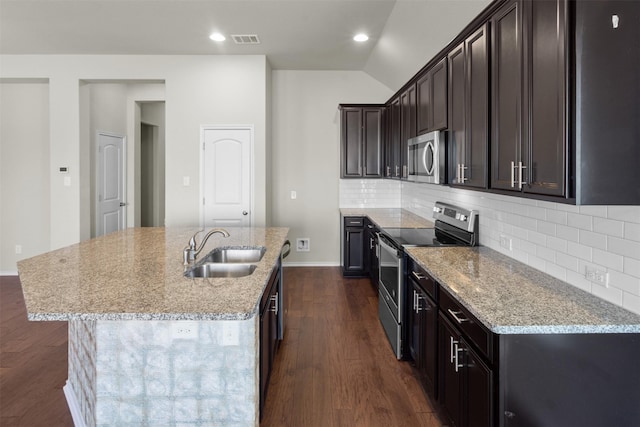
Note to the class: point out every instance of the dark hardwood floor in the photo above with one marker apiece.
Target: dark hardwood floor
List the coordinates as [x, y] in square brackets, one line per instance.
[334, 367]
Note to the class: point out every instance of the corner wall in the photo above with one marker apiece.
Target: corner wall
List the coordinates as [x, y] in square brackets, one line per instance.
[306, 154]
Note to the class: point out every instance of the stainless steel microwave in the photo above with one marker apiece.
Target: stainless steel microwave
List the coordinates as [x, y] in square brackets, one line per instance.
[426, 158]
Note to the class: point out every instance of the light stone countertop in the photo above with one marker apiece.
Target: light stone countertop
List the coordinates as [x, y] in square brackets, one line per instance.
[510, 297]
[390, 217]
[137, 274]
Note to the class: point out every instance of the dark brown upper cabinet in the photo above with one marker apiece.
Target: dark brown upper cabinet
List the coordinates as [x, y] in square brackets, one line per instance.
[468, 110]
[392, 149]
[362, 134]
[607, 90]
[529, 98]
[408, 128]
[431, 88]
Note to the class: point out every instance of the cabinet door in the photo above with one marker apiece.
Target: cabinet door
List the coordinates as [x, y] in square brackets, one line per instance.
[450, 380]
[439, 96]
[506, 52]
[372, 142]
[416, 326]
[393, 142]
[353, 250]
[477, 105]
[351, 123]
[423, 103]
[545, 97]
[372, 242]
[408, 127]
[478, 393]
[457, 109]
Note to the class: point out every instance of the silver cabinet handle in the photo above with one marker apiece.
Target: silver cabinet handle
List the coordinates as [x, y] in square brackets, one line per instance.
[455, 315]
[354, 222]
[520, 182]
[404, 171]
[417, 275]
[274, 298]
[388, 170]
[513, 174]
[457, 365]
[371, 243]
[462, 169]
[397, 170]
[453, 343]
[415, 294]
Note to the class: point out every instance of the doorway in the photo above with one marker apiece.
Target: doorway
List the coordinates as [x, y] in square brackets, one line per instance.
[148, 184]
[110, 183]
[226, 176]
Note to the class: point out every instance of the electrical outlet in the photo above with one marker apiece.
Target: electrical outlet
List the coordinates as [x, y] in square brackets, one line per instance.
[184, 330]
[303, 244]
[506, 242]
[18, 249]
[600, 277]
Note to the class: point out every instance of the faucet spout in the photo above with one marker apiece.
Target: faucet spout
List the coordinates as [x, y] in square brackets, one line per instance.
[190, 252]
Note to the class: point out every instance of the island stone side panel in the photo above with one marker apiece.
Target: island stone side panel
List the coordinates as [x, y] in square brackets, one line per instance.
[165, 373]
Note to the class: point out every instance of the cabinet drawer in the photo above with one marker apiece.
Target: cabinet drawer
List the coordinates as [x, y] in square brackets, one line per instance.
[354, 221]
[422, 278]
[477, 333]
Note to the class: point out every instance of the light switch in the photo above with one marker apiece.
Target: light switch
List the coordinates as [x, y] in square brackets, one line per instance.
[294, 195]
[186, 181]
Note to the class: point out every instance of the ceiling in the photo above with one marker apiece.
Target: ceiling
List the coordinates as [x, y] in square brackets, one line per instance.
[294, 34]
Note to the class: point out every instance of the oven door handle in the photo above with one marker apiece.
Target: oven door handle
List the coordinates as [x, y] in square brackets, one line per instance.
[388, 245]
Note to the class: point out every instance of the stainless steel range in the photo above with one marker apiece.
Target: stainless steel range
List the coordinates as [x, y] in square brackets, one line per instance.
[454, 226]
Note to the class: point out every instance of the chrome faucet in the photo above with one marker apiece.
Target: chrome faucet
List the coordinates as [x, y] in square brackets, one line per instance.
[189, 253]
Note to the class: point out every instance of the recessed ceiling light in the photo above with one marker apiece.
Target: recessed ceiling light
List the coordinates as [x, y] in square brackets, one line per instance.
[217, 37]
[361, 37]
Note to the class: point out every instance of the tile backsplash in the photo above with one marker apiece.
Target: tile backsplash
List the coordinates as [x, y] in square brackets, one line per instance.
[370, 193]
[562, 240]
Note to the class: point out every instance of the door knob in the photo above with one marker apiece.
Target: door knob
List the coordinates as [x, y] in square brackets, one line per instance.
[245, 213]
[122, 204]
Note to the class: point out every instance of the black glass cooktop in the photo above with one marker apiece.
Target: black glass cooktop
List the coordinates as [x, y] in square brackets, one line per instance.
[420, 237]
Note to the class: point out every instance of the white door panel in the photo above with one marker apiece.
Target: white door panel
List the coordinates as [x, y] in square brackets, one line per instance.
[109, 184]
[227, 177]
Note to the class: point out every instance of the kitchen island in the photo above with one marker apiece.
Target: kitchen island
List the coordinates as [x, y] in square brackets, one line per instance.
[148, 346]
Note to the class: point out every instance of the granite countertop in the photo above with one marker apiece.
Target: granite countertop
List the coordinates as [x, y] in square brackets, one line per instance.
[510, 297]
[390, 217]
[137, 274]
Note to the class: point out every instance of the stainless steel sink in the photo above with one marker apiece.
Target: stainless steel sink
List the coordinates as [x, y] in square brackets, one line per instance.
[237, 254]
[210, 269]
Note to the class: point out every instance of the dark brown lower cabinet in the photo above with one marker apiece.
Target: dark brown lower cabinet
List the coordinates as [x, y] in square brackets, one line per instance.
[423, 331]
[354, 259]
[466, 382]
[270, 313]
[371, 252]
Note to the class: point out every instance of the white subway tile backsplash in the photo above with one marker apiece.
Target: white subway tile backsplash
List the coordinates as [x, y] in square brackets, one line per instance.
[610, 294]
[595, 240]
[624, 213]
[557, 238]
[623, 247]
[631, 231]
[568, 233]
[608, 259]
[583, 222]
[608, 226]
[631, 302]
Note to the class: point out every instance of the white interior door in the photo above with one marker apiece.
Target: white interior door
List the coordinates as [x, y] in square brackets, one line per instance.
[227, 176]
[110, 184]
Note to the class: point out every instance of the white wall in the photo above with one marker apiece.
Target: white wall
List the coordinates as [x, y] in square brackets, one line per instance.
[24, 171]
[407, 42]
[306, 154]
[199, 90]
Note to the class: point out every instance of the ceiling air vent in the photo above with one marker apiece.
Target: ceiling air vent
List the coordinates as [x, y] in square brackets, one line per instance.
[245, 38]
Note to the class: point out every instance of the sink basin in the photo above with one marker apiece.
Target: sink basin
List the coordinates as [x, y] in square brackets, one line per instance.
[239, 254]
[220, 270]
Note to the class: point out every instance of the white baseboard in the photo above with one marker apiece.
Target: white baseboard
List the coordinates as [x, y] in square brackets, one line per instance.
[311, 264]
[74, 407]
[9, 273]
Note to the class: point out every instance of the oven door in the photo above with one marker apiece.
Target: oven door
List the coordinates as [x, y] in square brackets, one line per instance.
[390, 299]
[390, 270]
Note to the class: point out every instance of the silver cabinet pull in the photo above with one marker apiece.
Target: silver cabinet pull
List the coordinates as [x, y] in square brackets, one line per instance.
[513, 174]
[417, 275]
[388, 170]
[371, 243]
[455, 315]
[274, 298]
[458, 365]
[404, 171]
[461, 178]
[415, 294]
[397, 170]
[453, 343]
[520, 182]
